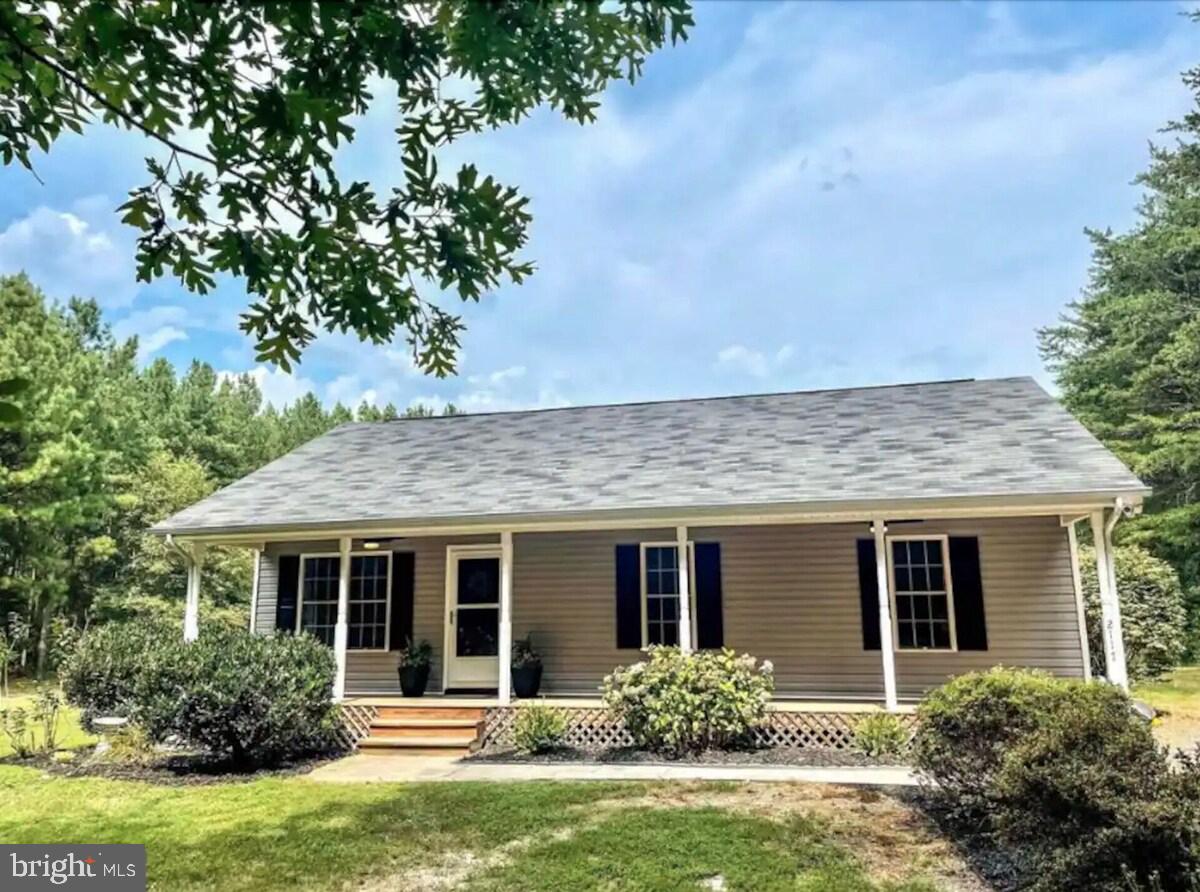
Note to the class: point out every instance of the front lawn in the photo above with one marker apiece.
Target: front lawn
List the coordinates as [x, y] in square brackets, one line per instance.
[1177, 697]
[294, 833]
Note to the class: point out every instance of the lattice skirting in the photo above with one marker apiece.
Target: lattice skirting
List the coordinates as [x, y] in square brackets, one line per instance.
[596, 728]
[355, 724]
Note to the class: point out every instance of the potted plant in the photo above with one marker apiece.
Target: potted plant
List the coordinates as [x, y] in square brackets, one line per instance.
[526, 669]
[414, 667]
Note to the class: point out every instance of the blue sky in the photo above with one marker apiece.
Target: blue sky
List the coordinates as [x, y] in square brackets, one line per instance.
[800, 196]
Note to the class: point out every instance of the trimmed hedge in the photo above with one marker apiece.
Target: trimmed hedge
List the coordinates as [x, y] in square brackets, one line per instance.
[250, 699]
[1066, 772]
[99, 674]
[246, 699]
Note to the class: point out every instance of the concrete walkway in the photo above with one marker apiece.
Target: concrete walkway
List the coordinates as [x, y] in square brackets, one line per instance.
[410, 769]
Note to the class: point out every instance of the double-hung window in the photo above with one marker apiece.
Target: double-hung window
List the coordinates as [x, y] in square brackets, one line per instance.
[922, 593]
[370, 587]
[660, 594]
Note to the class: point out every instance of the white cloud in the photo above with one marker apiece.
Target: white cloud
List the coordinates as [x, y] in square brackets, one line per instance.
[755, 363]
[157, 339]
[279, 388]
[499, 378]
[71, 254]
[154, 328]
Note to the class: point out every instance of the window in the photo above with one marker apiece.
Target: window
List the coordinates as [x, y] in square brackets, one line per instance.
[318, 596]
[922, 594]
[660, 594]
[370, 589]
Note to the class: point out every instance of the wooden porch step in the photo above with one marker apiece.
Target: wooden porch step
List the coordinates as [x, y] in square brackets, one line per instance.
[377, 747]
[475, 713]
[406, 722]
[465, 736]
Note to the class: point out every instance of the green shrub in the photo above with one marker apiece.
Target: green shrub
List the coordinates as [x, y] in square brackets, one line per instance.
[966, 727]
[539, 728]
[881, 735]
[252, 700]
[99, 674]
[674, 702]
[1095, 803]
[1153, 611]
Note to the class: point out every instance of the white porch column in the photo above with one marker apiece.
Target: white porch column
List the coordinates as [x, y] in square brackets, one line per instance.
[341, 629]
[254, 568]
[506, 569]
[685, 593]
[191, 606]
[1110, 607]
[882, 583]
[1080, 611]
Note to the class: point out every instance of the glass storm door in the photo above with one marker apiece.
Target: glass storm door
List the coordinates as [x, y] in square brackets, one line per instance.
[473, 621]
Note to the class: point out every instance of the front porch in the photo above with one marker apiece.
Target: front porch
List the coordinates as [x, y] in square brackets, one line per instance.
[857, 614]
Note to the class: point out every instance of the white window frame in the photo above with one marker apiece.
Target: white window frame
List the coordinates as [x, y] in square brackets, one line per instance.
[387, 631]
[944, 540]
[691, 571]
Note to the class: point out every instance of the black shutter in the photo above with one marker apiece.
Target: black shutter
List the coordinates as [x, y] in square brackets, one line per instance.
[710, 629]
[868, 594]
[629, 596]
[286, 590]
[969, 621]
[403, 567]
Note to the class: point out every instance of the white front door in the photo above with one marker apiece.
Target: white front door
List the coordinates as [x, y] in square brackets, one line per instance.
[472, 616]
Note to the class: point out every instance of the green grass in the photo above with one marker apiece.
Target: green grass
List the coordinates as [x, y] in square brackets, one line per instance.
[1178, 697]
[294, 833]
[655, 849]
[70, 735]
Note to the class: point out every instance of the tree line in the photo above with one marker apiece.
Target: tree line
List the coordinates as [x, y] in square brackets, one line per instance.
[100, 450]
[1126, 354]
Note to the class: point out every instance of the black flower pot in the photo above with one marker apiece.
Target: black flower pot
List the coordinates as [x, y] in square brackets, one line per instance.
[526, 680]
[413, 680]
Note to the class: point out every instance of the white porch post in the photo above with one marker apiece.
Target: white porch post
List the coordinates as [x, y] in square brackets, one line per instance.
[685, 594]
[1110, 607]
[1080, 611]
[254, 568]
[506, 568]
[341, 629]
[882, 582]
[191, 606]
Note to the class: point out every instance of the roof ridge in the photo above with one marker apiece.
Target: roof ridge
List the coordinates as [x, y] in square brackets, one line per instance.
[697, 399]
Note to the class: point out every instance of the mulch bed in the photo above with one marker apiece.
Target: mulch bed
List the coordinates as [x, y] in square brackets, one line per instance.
[180, 769]
[776, 755]
[1003, 867]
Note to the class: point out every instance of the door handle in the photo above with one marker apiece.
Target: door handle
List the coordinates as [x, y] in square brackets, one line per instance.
[451, 617]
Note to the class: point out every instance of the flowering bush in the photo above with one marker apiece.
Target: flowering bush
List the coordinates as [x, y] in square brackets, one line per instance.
[675, 703]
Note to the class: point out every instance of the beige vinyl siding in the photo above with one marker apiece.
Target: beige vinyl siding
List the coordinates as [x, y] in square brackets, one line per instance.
[564, 596]
[1028, 596]
[790, 595]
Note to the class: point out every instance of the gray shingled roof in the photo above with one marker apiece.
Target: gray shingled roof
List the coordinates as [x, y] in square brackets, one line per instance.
[1003, 437]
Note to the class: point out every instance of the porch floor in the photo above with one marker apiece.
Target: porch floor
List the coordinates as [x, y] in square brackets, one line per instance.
[569, 702]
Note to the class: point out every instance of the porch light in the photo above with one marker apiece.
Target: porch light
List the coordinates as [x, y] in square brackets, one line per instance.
[370, 545]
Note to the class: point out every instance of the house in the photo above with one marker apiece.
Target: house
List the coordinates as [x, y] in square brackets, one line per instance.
[870, 542]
